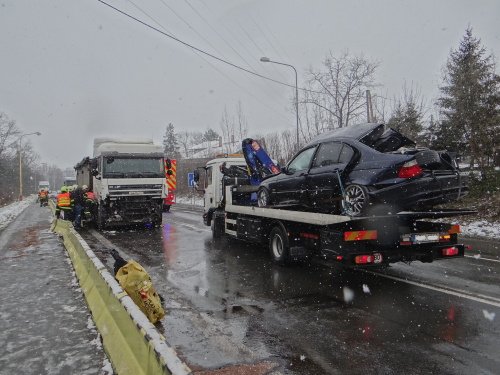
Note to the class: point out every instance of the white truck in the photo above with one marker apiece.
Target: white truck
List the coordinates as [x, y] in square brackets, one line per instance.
[293, 235]
[127, 177]
[43, 185]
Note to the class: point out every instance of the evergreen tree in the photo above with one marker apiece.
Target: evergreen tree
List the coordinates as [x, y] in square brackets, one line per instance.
[170, 144]
[470, 102]
[407, 114]
[210, 135]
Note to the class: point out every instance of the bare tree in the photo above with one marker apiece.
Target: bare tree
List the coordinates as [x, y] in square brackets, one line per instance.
[339, 88]
[8, 133]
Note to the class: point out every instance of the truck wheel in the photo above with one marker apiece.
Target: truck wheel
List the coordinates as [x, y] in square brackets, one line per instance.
[263, 198]
[356, 200]
[101, 218]
[278, 245]
[217, 229]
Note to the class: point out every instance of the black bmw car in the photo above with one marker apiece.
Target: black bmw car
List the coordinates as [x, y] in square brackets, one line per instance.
[362, 167]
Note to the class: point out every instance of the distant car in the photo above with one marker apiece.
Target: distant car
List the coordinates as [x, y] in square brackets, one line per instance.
[353, 169]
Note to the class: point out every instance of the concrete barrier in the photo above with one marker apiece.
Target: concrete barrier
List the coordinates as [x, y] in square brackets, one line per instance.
[132, 343]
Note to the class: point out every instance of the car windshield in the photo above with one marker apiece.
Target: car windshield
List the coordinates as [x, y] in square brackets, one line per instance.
[301, 161]
[115, 167]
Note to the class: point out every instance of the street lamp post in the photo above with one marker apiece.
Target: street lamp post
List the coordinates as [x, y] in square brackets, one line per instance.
[21, 164]
[267, 59]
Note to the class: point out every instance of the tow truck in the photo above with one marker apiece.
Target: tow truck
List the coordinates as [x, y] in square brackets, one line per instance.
[230, 209]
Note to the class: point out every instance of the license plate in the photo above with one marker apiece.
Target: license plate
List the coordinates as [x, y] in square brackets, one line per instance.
[424, 237]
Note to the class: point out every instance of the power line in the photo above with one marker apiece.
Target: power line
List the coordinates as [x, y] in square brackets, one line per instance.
[193, 47]
[204, 52]
[213, 66]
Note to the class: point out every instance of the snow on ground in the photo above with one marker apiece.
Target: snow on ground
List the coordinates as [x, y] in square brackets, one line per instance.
[194, 201]
[480, 228]
[11, 211]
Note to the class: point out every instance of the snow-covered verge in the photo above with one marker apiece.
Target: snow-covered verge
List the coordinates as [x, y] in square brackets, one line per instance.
[479, 228]
[194, 200]
[11, 211]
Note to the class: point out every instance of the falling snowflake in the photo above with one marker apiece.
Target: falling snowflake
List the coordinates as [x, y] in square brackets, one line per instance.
[366, 289]
[348, 294]
[302, 357]
[489, 315]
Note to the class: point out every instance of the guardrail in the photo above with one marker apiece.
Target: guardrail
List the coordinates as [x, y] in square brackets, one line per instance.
[132, 343]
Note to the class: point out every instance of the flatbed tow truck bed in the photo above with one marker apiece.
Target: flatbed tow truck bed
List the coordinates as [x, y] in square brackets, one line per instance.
[352, 241]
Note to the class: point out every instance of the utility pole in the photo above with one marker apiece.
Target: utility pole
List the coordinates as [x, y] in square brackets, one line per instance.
[369, 107]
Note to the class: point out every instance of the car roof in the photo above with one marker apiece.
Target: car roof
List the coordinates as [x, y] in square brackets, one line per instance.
[357, 132]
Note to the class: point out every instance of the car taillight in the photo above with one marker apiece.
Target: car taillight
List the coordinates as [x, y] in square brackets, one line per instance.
[410, 169]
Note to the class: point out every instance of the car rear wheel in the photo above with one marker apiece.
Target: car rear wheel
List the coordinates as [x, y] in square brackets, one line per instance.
[263, 198]
[356, 200]
[278, 245]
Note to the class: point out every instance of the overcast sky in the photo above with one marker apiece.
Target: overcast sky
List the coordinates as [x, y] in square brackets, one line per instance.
[76, 69]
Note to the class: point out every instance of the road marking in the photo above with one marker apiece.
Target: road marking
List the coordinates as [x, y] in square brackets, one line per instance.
[481, 258]
[454, 292]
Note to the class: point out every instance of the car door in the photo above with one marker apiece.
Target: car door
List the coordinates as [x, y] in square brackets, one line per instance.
[289, 187]
[323, 185]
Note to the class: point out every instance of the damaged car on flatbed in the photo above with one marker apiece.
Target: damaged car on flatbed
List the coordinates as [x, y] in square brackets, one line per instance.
[362, 169]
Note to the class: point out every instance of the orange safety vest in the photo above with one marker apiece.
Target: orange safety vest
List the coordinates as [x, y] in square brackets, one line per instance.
[63, 200]
[90, 196]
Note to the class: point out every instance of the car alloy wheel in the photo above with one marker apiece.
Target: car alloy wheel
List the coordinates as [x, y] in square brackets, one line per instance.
[356, 200]
[263, 197]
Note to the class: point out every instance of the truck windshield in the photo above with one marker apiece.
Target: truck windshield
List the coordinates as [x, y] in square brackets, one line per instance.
[120, 167]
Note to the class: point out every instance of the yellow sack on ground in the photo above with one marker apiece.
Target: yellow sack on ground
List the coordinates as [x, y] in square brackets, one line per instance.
[136, 282]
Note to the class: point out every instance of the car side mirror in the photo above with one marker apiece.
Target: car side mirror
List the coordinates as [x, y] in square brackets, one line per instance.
[284, 170]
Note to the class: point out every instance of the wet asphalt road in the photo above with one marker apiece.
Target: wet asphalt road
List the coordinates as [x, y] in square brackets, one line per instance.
[227, 304]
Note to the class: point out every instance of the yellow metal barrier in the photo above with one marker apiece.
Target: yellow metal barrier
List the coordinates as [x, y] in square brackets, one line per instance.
[132, 343]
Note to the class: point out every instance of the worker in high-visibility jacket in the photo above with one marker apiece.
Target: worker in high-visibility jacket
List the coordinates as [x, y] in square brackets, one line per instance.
[90, 206]
[63, 203]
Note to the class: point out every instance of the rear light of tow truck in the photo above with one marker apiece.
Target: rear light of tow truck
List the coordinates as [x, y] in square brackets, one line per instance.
[449, 251]
[375, 258]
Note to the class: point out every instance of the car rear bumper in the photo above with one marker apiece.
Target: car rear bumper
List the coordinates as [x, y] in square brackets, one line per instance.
[421, 192]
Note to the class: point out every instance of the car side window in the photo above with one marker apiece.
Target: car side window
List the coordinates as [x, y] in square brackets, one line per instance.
[346, 154]
[302, 160]
[328, 154]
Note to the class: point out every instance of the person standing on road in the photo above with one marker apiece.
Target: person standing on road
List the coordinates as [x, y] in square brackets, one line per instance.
[63, 203]
[78, 200]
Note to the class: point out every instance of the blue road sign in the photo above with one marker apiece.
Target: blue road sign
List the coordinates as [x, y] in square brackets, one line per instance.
[190, 179]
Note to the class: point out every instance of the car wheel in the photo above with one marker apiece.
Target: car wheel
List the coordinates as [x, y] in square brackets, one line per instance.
[278, 245]
[263, 198]
[356, 200]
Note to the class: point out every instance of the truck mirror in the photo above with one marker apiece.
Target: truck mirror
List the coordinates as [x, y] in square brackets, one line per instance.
[93, 164]
[94, 172]
[196, 176]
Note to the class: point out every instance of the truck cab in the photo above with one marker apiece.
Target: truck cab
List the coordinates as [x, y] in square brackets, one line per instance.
[212, 182]
[128, 180]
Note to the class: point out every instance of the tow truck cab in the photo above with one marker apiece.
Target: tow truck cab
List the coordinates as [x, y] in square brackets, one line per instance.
[212, 182]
